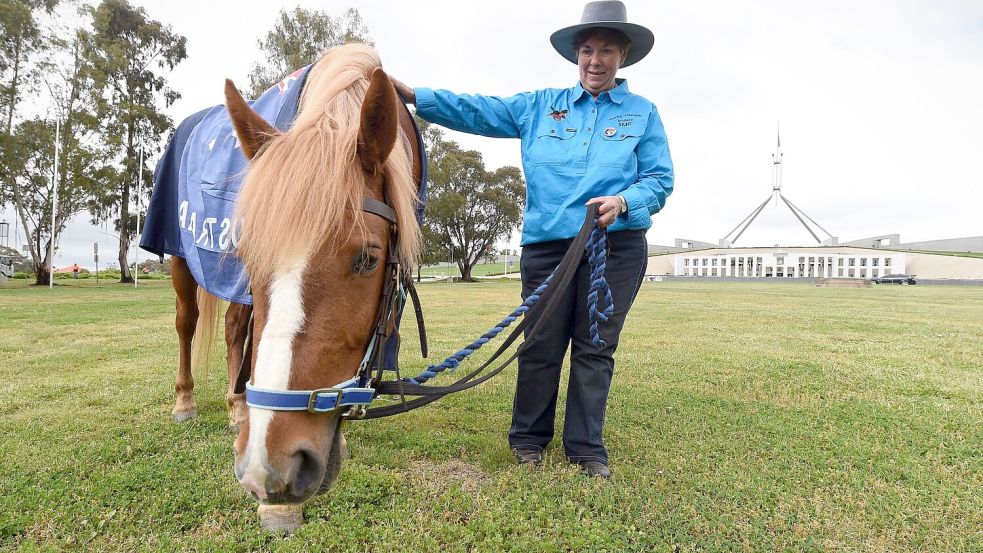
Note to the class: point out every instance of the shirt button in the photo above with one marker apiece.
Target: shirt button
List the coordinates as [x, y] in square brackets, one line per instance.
[552, 131]
[592, 111]
[588, 129]
[585, 143]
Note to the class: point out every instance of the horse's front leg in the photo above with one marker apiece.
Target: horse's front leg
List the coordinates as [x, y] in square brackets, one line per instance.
[236, 325]
[187, 316]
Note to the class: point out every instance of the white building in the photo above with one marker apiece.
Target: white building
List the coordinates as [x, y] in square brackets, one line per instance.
[813, 262]
[789, 263]
[859, 259]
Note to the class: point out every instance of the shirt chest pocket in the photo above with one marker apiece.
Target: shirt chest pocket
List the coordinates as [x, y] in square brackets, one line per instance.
[618, 142]
[552, 143]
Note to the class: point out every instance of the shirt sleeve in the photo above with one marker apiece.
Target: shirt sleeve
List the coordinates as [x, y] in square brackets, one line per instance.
[655, 175]
[491, 116]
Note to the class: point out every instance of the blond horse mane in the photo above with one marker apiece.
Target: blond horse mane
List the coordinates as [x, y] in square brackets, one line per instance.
[306, 188]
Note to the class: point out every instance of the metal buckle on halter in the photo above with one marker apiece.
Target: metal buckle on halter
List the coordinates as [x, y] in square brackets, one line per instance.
[315, 393]
[356, 412]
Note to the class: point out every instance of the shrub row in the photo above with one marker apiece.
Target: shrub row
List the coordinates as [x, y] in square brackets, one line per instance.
[103, 275]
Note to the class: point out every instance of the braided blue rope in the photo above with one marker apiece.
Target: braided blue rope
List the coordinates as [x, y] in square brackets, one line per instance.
[453, 361]
[597, 257]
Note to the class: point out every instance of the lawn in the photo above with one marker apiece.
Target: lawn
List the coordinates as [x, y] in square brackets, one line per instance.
[481, 269]
[742, 417]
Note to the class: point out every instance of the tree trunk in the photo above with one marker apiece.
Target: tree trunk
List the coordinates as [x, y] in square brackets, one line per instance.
[124, 213]
[125, 277]
[8, 131]
[41, 275]
[466, 271]
[22, 217]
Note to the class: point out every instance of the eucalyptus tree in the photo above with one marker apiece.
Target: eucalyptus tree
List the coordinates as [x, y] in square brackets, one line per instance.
[30, 165]
[129, 56]
[297, 39]
[469, 209]
[22, 48]
[27, 48]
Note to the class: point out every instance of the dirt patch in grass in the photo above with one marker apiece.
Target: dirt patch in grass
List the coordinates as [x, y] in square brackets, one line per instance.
[442, 475]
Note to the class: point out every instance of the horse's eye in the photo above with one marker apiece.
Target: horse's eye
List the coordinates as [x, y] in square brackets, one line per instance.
[364, 263]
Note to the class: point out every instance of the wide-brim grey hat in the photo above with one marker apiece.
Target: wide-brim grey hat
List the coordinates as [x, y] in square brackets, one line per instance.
[613, 15]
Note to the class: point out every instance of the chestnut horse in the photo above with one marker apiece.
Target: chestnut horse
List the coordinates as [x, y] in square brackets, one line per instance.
[315, 262]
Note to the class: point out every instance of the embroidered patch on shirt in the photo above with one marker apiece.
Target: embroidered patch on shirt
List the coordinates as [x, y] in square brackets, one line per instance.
[558, 115]
[625, 119]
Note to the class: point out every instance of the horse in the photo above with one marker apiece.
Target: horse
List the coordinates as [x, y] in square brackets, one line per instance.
[315, 262]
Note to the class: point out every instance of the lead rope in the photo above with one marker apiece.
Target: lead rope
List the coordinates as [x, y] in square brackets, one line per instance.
[454, 361]
[597, 258]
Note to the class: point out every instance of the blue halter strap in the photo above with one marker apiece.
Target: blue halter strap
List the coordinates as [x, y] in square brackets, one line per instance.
[344, 395]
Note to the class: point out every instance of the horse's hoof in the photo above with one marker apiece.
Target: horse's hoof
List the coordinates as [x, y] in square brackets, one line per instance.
[184, 416]
[343, 449]
[284, 519]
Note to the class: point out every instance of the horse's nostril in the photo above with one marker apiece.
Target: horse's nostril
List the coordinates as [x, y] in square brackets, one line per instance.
[310, 472]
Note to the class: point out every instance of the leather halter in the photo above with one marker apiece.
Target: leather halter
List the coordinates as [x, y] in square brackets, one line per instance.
[356, 393]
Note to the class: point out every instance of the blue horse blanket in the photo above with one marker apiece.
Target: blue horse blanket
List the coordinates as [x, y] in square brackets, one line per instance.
[197, 182]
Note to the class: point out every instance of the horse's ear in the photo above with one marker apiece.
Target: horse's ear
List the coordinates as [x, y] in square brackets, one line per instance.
[379, 122]
[253, 130]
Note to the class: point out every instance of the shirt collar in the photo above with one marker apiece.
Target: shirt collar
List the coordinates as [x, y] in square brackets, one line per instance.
[617, 94]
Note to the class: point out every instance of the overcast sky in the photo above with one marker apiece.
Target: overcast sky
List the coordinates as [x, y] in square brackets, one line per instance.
[879, 101]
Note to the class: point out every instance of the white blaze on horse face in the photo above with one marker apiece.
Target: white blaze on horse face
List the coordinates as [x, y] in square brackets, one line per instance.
[274, 357]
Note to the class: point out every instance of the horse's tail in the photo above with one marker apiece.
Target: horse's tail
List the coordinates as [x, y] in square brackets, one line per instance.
[203, 344]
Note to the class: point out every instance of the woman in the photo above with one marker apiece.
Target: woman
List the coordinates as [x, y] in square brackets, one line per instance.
[594, 143]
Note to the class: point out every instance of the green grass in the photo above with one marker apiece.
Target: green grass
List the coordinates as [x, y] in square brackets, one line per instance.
[754, 417]
[481, 269]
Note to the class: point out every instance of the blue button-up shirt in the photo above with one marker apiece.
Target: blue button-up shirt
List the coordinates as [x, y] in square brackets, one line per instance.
[574, 148]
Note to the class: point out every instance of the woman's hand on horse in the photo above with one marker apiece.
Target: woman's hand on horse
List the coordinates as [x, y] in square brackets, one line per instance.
[608, 209]
[405, 92]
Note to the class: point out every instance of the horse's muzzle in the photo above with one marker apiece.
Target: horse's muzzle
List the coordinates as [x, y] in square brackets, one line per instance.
[298, 479]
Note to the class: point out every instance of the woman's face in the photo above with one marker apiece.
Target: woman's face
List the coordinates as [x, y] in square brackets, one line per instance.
[598, 61]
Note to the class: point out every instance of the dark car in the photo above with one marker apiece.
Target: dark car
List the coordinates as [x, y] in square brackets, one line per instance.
[895, 279]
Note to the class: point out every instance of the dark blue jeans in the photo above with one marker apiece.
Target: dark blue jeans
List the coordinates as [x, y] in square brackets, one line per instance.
[591, 369]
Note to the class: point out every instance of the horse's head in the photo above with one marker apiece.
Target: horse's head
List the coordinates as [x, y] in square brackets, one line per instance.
[316, 262]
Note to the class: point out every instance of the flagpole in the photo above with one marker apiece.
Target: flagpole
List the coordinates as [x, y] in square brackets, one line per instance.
[54, 204]
[136, 249]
